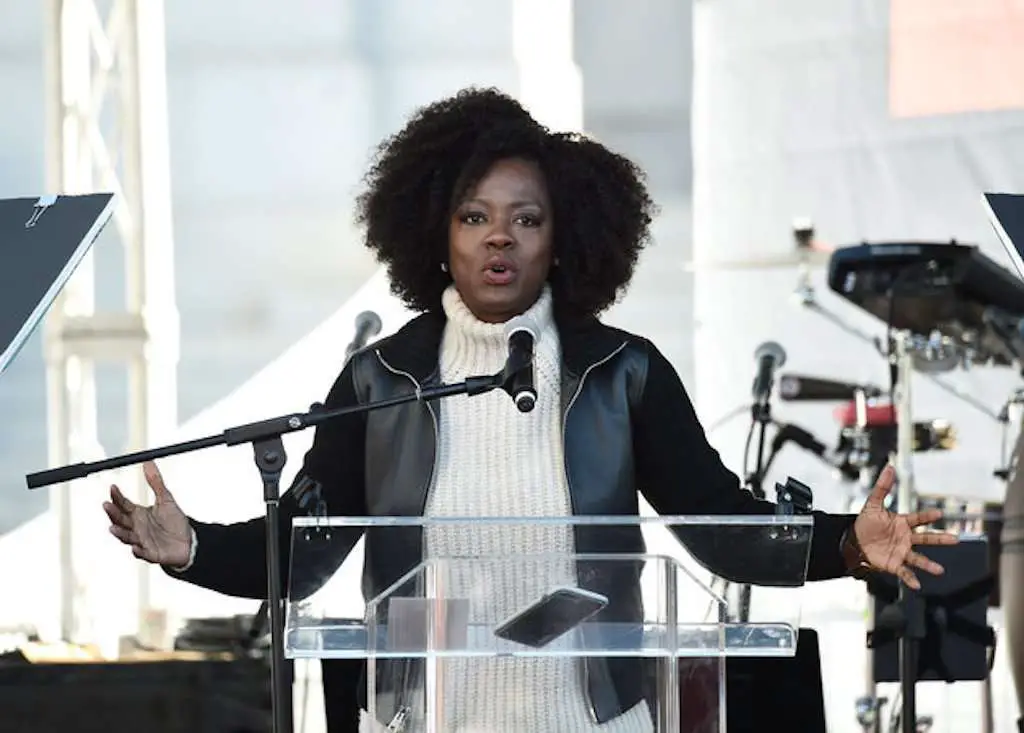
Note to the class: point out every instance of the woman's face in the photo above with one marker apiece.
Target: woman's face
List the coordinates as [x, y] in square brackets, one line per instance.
[499, 241]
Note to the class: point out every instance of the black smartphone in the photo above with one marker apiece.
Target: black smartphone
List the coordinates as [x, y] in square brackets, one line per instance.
[546, 619]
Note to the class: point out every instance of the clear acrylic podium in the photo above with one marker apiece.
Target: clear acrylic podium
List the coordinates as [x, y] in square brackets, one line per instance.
[438, 655]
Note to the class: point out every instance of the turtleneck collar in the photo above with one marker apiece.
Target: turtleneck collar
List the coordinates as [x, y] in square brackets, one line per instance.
[462, 319]
[472, 344]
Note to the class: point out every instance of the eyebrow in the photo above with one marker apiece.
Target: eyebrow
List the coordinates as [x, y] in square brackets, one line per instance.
[514, 204]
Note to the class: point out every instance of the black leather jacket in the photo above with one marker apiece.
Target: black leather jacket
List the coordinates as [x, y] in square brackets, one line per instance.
[629, 427]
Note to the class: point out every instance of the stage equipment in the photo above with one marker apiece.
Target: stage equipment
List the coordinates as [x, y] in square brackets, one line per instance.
[265, 437]
[165, 696]
[44, 239]
[768, 358]
[937, 293]
[368, 325]
[944, 305]
[957, 641]
[435, 627]
[786, 691]
[804, 388]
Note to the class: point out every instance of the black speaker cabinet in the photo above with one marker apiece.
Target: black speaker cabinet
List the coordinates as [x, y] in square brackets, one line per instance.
[958, 636]
[156, 697]
[777, 693]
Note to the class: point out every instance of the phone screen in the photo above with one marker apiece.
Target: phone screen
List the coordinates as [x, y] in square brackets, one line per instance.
[556, 613]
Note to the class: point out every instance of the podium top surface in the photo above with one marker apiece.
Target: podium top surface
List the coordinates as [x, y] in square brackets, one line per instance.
[42, 241]
[1006, 214]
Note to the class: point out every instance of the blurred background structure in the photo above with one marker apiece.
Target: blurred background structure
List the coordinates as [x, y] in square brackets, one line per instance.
[227, 287]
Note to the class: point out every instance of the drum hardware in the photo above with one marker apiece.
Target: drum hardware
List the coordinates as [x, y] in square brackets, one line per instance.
[972, 274]
[954, 306]
[936, 323]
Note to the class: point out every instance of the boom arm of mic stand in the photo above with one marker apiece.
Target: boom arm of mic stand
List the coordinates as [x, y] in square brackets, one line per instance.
[268, 447]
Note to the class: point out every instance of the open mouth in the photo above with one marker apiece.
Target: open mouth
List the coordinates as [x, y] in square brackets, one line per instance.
[499, 272]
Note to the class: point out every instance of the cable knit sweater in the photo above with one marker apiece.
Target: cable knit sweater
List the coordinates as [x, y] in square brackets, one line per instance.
[495, 461]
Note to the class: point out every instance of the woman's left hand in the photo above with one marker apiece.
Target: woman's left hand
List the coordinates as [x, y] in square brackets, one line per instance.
[887, 539]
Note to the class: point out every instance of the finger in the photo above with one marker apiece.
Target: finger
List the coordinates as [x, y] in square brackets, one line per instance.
[929, 516]
[123, 502]
[116, 516]
[144, 554]
[934, 538]
[883, 486]
[917, 560]
[125, 535]
[909, 579]
[155, 481]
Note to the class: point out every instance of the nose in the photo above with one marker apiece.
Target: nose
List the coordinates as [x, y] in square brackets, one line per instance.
[499, 238]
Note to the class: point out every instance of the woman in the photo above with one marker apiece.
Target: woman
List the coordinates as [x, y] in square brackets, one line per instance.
[480, 215]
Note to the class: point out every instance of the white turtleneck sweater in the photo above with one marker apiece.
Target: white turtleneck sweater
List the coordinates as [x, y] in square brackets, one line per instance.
[495, 461]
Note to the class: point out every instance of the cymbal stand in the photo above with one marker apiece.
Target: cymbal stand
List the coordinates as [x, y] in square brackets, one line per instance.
[912, 607]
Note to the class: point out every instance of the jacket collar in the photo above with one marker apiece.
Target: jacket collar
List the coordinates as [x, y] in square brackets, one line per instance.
[414, 348]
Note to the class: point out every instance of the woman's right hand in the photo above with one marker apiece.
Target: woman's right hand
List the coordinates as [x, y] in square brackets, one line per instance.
[158, 534]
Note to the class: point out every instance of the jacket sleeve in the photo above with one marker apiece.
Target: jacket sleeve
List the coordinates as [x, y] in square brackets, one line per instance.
[680, 473]
[231, 558]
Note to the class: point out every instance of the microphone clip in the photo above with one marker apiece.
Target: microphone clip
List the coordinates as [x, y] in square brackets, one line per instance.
[794, 497]
[516, 379]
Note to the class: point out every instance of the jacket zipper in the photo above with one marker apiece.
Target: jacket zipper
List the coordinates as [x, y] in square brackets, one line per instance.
[568, 483]
[565, 467]
[433, 420]
[400, 720]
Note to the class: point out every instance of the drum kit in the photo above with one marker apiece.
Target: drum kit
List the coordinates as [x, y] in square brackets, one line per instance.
[945, 306]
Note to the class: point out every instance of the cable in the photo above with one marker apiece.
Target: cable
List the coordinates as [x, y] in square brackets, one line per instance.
[746, 451]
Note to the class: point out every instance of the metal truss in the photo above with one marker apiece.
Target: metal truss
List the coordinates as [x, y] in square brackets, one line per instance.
[107, 130]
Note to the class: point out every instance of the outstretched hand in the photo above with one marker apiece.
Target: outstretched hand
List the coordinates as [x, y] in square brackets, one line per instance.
[887, 539]
[159, 533]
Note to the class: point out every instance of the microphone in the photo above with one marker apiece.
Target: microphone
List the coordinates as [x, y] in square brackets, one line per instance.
[799, 388]
[368, 325]
[521, 333]
[794, 434]
[769, 357]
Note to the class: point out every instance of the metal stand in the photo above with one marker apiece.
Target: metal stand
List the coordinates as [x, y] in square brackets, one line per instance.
[910, 626]
[761, 417]
[910, 622]
[265, 437]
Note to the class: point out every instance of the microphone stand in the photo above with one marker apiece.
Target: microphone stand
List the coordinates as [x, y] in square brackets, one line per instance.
[268, 447]
[761, 417]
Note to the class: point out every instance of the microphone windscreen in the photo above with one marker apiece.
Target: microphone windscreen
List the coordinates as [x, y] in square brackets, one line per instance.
[522, 323]
[368, 322]
[772, 349]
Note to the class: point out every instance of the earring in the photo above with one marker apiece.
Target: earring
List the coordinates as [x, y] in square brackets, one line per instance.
[444, 267]
[555, 263]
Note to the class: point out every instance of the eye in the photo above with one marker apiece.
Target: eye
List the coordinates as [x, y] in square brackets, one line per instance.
[472, 218]
[528, 220]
